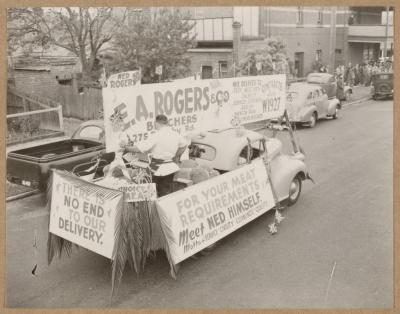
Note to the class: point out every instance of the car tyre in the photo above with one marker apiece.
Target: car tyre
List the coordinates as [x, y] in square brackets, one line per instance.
[294, 190]
[335, 115]
[313, 120]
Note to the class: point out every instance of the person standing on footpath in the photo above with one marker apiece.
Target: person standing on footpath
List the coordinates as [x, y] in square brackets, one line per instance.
[165, 147]
[350, 75]
[340, 88]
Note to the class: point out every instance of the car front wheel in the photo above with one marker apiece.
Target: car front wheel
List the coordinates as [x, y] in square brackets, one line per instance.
[335, 115]
[294, 190]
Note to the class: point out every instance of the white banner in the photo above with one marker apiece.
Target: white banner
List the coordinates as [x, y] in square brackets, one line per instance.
[204, 213]
[84, 213]
[191, 105]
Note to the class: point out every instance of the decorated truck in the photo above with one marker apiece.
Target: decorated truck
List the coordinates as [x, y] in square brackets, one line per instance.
[232, 176]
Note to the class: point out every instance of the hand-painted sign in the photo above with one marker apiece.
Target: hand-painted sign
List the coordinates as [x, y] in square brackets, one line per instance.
[206, 212]
[191, 106]
[84, 213]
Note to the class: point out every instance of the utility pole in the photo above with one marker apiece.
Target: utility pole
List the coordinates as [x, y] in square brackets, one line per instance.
[332, 41]
[386, 34]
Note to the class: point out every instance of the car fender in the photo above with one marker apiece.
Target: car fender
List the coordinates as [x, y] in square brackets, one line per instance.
[283, 169]
[332, 105]
[305, 113]
[347, 89]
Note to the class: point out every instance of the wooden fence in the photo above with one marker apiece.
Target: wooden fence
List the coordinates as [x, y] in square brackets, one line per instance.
[85, 106]
[47, 112]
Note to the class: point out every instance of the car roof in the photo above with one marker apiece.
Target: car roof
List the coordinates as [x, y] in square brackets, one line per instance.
[228, 146]
[303, 88]
[220, 138]
[382, 73]
[324, 75]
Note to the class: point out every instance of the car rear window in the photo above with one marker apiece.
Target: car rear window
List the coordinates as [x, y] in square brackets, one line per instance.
[202, 151]
[316, 79]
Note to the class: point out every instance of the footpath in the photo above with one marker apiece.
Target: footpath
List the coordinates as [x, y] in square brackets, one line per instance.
[360, 94]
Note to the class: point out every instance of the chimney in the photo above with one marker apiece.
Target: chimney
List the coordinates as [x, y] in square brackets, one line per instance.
[236, 41]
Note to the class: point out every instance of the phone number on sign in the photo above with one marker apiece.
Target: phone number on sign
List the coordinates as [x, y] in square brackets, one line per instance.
[271, 104]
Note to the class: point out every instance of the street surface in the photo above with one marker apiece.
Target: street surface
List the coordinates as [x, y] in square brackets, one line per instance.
[334, 249]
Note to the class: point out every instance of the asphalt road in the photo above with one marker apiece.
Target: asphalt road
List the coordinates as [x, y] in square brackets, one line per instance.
[334, 248]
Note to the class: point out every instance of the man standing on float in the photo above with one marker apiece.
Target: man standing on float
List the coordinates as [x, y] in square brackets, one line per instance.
[165, 147]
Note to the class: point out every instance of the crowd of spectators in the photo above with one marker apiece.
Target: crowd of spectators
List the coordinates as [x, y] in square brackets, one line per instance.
[361, 74]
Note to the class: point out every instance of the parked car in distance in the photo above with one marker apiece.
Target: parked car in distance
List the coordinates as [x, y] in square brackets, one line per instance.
[32, 166]
[382, 85]
[226, 150]
[329, 84]
[306, 103]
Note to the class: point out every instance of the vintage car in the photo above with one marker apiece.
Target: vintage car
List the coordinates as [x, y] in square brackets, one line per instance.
[31, 166]
[382, 85]
[329, 84]
[228, 149]
[306, 103]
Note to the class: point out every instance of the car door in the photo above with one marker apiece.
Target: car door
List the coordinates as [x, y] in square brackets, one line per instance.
[317, 102]
[324, 102]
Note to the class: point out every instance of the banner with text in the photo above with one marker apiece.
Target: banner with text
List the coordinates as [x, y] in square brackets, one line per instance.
[84, 213]
[208, 211]
[190, 105]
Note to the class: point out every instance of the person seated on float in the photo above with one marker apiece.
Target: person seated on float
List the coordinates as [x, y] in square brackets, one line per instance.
[165, 146]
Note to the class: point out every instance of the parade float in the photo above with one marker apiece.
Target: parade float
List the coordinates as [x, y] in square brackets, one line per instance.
[232, 176]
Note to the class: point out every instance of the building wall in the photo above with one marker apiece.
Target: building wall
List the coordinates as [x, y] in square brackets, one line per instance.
[199, 59]
[361, 52]
[306, 40]
[362, 16]
[40, 82]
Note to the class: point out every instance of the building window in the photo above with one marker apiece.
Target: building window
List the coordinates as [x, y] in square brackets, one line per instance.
[318, 55]
[338, 51]
[320, 16]
[223, 69]
[299, 16]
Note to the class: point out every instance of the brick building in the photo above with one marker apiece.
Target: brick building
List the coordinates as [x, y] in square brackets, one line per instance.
[42, 74]
[224, 34]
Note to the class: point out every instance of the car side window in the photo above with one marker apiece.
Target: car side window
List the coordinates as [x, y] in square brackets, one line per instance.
[309, 96]
[257, 149]
[92, 132]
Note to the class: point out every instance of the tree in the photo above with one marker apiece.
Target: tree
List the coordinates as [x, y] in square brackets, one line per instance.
[82, 31]
[150, 41]
[271, 58]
